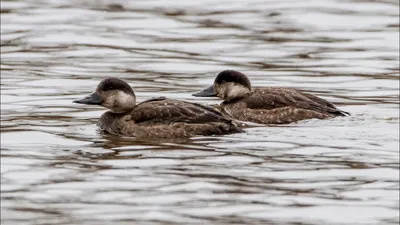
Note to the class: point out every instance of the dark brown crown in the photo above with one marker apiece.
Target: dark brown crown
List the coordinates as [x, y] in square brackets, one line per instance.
[112, 83]
[233, 76]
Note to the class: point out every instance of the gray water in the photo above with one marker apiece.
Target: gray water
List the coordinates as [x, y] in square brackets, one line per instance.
[56, 168]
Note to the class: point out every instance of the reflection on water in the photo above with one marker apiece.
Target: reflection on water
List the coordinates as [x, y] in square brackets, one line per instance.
[57, 169]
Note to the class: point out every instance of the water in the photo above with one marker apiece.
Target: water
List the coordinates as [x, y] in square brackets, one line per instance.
[57, 169]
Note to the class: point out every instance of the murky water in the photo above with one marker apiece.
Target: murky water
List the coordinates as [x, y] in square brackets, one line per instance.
[57, 169]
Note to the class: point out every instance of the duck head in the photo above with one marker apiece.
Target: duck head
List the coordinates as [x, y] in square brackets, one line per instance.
[228, 85]
[112, 93]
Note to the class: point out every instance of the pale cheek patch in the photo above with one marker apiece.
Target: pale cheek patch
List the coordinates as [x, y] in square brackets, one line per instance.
[236, 91]
[124, 99]
[119, 101]
[109, 101]
[123, 102]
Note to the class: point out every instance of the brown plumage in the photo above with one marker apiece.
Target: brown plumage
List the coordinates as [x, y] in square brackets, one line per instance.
[154, 118]
[271, 105]
[167, 118]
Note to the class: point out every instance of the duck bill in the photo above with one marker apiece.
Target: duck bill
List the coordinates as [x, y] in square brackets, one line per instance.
[208, 92]
[92, 99]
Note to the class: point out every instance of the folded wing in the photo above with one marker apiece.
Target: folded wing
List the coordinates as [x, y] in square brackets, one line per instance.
[272, 98]
[169, 111]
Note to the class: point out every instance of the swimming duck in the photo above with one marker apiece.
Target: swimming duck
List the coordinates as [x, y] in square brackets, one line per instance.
[270, 105]
[155, 118]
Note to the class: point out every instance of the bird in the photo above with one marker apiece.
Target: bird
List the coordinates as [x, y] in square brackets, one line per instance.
[266, 105]
[158, 117]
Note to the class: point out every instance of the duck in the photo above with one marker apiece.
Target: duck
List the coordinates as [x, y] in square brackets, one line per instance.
[266, 105]
[158, 117]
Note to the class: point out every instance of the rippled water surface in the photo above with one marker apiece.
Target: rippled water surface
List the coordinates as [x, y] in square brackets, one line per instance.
[56, 168]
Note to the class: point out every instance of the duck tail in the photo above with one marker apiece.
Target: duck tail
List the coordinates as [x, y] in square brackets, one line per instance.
[229, 127]
[235, 129]
[342, 113]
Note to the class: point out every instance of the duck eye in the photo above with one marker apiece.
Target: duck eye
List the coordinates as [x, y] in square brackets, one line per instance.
[108, 88]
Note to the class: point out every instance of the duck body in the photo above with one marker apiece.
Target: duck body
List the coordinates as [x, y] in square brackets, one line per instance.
[270, 105]
[155, 118]
[276, 105]
[167, 118]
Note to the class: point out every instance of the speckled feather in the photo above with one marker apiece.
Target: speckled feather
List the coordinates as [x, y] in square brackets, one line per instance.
[280, 105]
[167, 118]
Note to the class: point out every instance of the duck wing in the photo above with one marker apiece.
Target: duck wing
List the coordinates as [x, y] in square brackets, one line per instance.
[167, 111]
[272, 98]
[326, 104]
